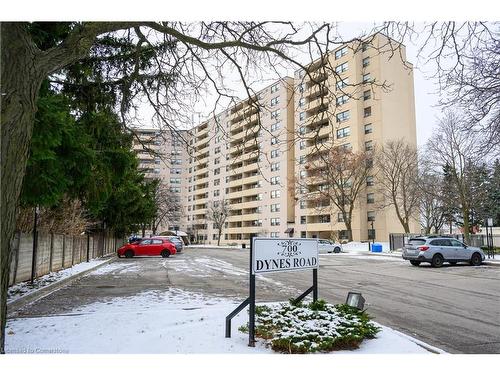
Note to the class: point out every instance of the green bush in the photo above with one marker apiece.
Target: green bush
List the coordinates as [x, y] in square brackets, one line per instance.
[316, 327]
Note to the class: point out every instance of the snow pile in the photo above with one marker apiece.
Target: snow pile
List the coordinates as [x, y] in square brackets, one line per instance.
[21, 289]
[363, 246]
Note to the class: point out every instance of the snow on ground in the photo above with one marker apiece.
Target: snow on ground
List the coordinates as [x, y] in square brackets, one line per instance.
[21, 289]
[173, 321]
[363, 246]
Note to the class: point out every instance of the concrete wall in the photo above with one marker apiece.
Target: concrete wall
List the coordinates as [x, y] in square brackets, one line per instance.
[56, 252]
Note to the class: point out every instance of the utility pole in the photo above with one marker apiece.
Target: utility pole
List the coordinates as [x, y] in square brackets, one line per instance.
[35, 245]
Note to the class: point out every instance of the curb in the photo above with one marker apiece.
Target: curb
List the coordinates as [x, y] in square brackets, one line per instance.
[42, 292]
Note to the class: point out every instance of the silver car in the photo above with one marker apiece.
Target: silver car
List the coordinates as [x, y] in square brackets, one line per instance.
[437, 250]
[179, 244]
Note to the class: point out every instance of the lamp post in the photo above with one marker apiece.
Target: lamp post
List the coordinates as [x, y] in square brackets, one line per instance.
[35, 245]
[355, 299]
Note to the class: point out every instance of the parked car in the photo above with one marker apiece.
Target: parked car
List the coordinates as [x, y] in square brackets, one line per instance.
[437, 250]
[148, 247]
[179, 244]
[327, 246]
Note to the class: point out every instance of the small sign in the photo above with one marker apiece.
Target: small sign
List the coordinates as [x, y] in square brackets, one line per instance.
[490, 222]
[285, 254]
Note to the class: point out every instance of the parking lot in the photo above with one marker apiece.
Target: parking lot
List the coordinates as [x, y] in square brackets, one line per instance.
[456, 308]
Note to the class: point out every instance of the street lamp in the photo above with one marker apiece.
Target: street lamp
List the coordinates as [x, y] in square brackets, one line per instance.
[355, 299]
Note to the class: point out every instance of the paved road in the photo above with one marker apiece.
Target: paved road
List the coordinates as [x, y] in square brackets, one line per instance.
[454, 308]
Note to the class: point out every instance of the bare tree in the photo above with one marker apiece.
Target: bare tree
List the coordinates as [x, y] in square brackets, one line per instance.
[455, 148]
[397, 179]
[432, 208]
[335, 177]
[168, 207]
[217, 212]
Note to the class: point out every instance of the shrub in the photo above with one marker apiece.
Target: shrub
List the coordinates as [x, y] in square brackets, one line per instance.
[316, 327]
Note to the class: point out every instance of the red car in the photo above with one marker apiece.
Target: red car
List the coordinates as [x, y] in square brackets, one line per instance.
[148, 246]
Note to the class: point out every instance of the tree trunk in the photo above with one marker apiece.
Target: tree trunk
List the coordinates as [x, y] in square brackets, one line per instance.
[465, 213]
[218, 237]
[20, 79]
[406, 226]
[348, 227]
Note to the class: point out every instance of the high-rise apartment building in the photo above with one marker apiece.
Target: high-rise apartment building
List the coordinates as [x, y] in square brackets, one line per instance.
[253, 154]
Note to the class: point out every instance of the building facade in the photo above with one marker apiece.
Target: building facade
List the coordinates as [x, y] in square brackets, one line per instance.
[253, 154]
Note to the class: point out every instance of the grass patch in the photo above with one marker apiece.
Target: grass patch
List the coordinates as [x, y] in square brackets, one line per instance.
[314, 327]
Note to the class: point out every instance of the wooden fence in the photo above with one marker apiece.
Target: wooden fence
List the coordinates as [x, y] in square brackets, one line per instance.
[56, 252]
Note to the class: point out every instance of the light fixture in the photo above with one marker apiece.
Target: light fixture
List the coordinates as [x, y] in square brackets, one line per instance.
[355, 299]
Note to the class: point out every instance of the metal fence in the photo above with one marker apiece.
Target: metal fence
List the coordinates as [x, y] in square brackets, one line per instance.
[56, 252]
[398, 240]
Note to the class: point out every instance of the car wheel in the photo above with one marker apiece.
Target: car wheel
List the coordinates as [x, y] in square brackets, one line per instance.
[336, 249]
[453, 263]
[476, 260]
[415, 263]
[165, 253]
[437, 261]
[129, 254]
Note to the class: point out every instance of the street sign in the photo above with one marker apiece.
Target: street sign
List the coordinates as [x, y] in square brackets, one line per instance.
[284, 254]
[490, 222]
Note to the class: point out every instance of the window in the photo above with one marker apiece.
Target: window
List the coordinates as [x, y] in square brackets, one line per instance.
[302, 159]
[175, 161]
[371, 215]
[302, 144]
[368, 111]
[324, 218]
[275, 167]
[275, 126]
[369, 163]
[344, 132]
[274, 234]
[300, 87]
[366, 78]
[275, 101]
[275, 207]
[303, 234]
[340, 217]
[217, 182]
[303, 220]
[302, 204]
[274, 140]
[156, 170]
[216, 171]
[275, 180]
[342, 99]
[368, 129]
[341, 68]
[346, 146]
[274, 88]
[370, 198]
[366, 62]
[275, 114]
[368, 145]
[302, 116]
[275, 193]
[302, 130]
[341, 52]
[364, 46]
[302, 174]
[302, 101]
[341, 84]
[175, 171]
[275, 221]
[343, 116]
[369, 181]
[175, 189]
[216, 193]
[175, 180]
[275, 153]
[217, 161]
[367, 95]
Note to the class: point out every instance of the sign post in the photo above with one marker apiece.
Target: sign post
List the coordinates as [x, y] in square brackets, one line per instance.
[277, 255]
